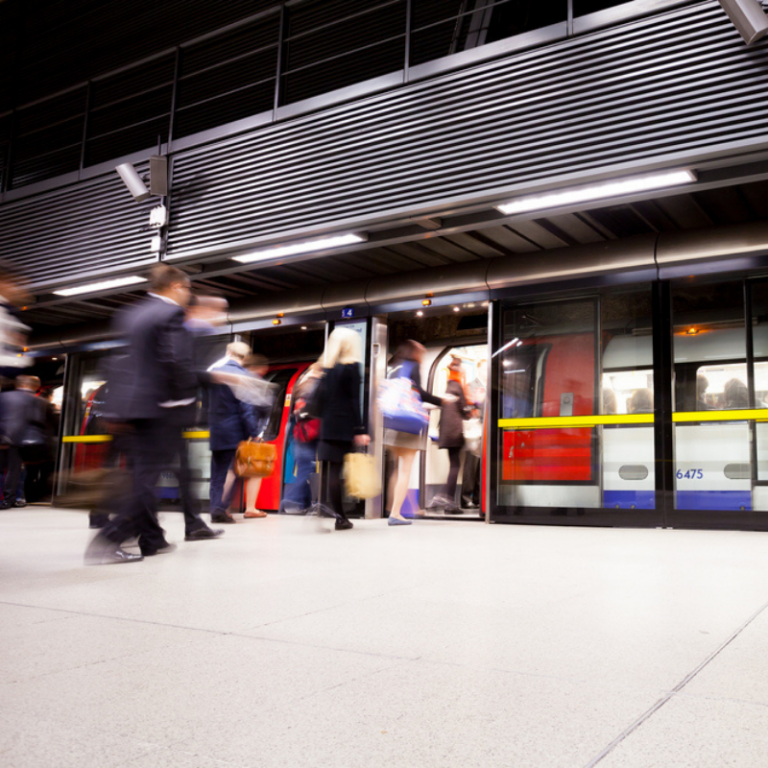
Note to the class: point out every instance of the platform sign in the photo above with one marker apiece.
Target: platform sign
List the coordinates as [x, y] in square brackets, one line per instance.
[348, 312]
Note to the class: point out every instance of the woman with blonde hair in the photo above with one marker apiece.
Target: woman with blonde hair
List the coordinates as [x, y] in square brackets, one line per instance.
[341, 420]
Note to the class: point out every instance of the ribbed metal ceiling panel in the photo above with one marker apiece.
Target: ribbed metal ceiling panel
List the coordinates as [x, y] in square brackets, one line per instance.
[76, 233]
[680, 82]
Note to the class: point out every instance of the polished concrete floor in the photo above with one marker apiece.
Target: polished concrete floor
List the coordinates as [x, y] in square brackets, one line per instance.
[440, 644]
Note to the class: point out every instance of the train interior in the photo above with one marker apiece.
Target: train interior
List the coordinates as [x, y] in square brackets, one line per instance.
[457, 332]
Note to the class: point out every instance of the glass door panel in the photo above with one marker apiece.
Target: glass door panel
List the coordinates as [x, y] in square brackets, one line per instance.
[628, 450]
[712, 429]
[548, 383]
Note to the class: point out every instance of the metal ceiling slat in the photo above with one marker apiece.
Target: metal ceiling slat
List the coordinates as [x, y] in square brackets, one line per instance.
[580, 231]
[509, 240]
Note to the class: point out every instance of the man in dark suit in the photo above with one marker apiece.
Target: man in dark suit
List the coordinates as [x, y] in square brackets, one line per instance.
[154, 376]
[27, 431]
[230, 421]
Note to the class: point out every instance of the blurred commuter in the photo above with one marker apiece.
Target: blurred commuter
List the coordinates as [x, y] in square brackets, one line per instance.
[702, 385]
[610, 403]
[35, 481]
[230, 421]
[735, 394]
[206, 312]
[403, 446]
[153, 377]
[297, 497]
[453, 412]
[341, 420]
[257, 366]
[470, 482]
[27, 432]
[641, 401]
[13, 333]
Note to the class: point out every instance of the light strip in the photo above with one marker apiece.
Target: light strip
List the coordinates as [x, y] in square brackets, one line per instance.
[600, 191]
[118, 282]
[308, 246]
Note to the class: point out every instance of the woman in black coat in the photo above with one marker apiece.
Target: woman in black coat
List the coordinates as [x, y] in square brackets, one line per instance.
[451, 434]
[341, 421]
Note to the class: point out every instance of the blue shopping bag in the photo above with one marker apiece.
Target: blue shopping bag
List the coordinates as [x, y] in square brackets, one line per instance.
[400, 404]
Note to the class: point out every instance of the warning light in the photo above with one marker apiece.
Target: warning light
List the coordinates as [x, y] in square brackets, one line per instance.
[692, 331]
[277, 321]
[426, 302]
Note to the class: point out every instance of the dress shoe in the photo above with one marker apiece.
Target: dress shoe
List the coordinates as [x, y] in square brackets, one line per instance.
[203, 533]
[163, 549]
[343, 525]
[223, 517]
[102, 551]
[256, 513]
[440, 500]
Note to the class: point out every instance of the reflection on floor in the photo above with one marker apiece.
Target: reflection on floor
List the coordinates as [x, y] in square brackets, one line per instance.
[436, 645]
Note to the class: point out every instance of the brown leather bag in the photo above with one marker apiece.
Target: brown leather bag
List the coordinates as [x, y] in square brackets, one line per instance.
[255, 459]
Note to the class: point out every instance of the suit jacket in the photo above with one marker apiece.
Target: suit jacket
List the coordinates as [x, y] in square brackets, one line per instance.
[340, 403]
[452, 415]
[25, 418]
[156, 366]
[230, 420]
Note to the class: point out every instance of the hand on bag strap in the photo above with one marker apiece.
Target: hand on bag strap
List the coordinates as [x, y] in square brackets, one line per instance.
[362, 441]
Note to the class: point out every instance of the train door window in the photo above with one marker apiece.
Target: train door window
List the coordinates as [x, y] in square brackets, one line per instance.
[713, 464]
[280, 377]
[471, 375]
[627, 445]
[547, 373]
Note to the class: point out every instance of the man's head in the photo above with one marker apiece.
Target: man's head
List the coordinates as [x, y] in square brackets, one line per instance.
[27, 383]
[170, 282]
[208, 306]
[256, 363]
[238, 350]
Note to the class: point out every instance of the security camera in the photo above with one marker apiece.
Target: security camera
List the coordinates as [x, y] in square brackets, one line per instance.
[748, 18]
[158, 178]
[133, 181]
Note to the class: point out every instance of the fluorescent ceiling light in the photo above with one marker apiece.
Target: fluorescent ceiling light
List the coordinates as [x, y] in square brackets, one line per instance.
[600, 191]
[307, 246]
[105, 285]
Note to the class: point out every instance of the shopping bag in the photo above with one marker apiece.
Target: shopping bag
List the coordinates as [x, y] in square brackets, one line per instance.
[473, 435]
[255, 459]
[360, 476]
[401, 406]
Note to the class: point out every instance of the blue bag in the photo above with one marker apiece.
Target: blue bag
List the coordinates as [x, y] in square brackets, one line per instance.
[400, 404]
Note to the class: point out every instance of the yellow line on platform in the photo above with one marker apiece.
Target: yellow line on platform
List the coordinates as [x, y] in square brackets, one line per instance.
[743, 414]
[90, 439]
[560, 422]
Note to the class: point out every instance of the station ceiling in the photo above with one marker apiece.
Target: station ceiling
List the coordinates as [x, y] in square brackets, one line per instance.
[690, 211]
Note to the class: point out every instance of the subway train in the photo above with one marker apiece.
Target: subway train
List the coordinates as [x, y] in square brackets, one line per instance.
[572, 422]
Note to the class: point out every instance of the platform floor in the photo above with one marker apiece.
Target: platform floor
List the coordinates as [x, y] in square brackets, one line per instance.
[441, 644]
